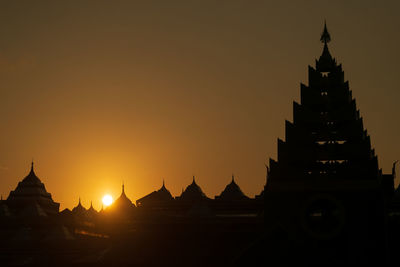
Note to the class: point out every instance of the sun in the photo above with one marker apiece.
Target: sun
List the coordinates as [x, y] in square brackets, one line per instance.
[107, 200]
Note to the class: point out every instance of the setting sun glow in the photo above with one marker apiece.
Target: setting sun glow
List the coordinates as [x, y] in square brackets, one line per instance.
[107, 200]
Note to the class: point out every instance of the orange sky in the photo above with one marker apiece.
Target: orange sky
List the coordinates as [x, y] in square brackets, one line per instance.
[102, 92]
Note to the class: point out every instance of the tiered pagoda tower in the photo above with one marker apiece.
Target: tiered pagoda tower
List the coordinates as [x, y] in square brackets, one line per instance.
[326, 189]
[327, 139]
[30, 196]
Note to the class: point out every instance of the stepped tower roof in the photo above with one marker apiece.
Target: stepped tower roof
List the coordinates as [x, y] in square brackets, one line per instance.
[29, 191]
[327, 136]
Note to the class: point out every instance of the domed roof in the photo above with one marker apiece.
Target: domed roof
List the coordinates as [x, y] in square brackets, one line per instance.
[79, 209]
[31, 178]
[31, 190]
[161, 194]
[123, 201]
[91, 212]
[193, 192]
[30, 185]
[232, 192]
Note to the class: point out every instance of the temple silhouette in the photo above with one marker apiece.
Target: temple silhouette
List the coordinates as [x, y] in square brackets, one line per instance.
[325, 201]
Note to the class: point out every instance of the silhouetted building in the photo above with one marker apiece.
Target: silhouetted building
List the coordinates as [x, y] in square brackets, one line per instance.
[30, 198]
[192, 193]
[122, 202]
[326, 189]
[161, 197]
[121, 210]
[232, 192]
[233, 202]
[79, 210]
[91, 212]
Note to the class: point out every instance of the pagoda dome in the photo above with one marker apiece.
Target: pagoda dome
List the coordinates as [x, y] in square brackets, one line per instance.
[29, 191]
[161, 194]
[232, 192]
[91, 212]
[30, 185]
[193, 192]
[79, 209]
[123, 201]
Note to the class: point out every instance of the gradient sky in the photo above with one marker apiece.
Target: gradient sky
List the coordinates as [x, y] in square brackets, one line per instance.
[100, 92]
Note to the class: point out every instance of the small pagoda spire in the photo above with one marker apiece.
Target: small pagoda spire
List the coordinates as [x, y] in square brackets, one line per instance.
[325, 36]
[233, 178]
[325, 63]
[163, 183]
[79, 203]
[91, 204]
[32, 167]
[194, 180]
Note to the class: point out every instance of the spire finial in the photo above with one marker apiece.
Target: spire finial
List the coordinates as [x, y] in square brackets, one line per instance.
[123, 187]
[91, 203]
[79, 201]
[32, 165]
[163, 182]
[233, 178]
[325, 36]
[194, 179]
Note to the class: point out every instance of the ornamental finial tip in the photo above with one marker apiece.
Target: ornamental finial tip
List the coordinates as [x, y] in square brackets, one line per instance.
[325, 36]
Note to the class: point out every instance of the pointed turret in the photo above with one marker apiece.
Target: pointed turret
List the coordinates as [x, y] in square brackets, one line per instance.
[159, 197]
[192, 192]
[163, 193]
[122, 201]
[79, 209]
[232, 192]
[91, 212]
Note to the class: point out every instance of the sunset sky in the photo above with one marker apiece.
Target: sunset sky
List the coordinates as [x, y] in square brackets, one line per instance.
[101, 92]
